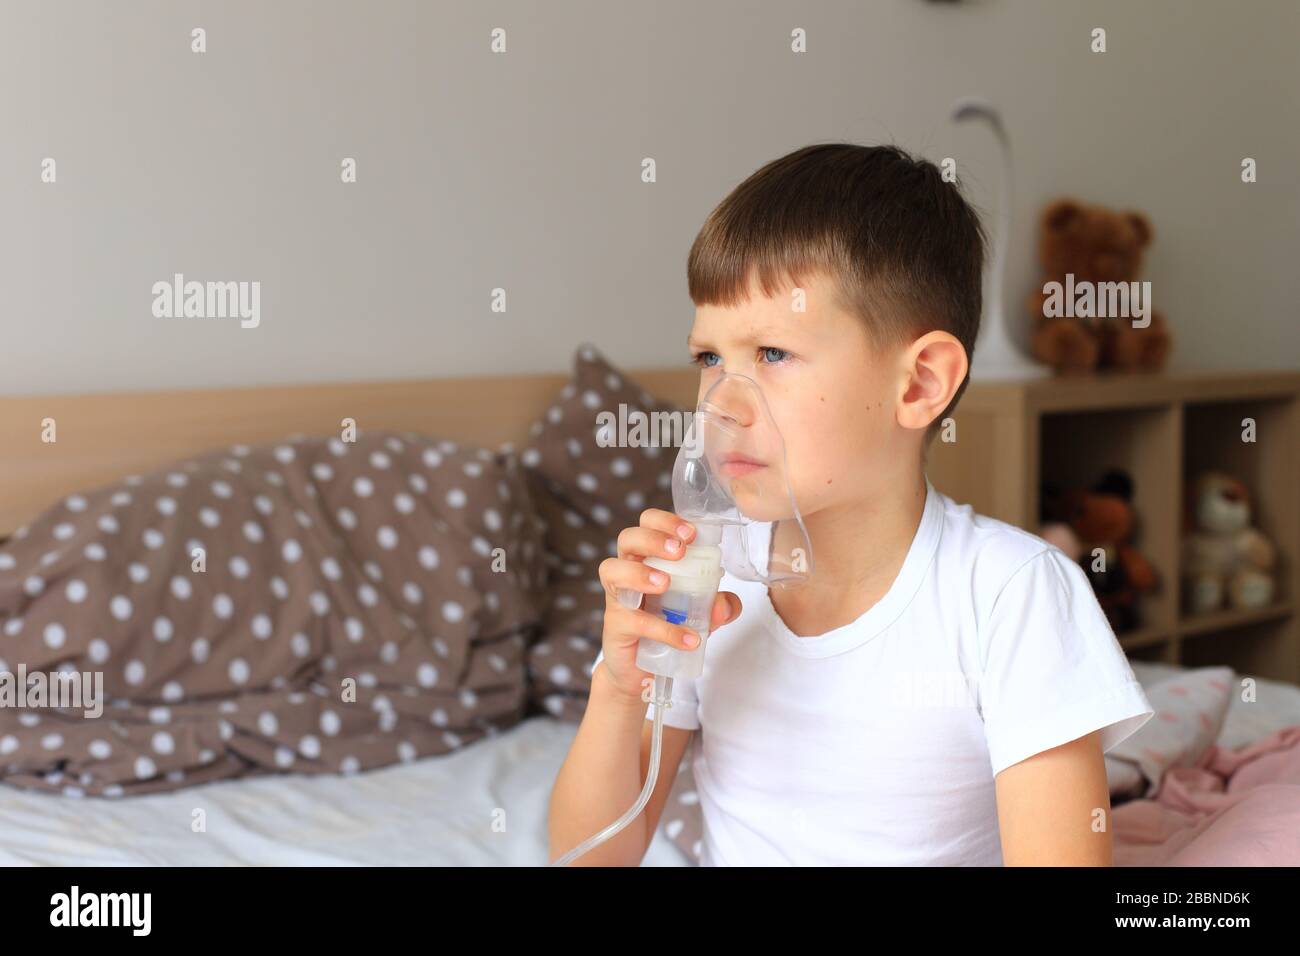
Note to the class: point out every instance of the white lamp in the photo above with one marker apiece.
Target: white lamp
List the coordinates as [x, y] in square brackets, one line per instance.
[996, 355]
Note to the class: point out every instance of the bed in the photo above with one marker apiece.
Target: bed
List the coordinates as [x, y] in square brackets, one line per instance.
[432, 812]
[473, 789]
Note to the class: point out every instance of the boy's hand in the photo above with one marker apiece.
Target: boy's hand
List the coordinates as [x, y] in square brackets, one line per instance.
[657, 534]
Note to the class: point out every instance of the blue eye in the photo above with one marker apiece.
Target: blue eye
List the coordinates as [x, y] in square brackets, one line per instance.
[771, 355]
[698, 359]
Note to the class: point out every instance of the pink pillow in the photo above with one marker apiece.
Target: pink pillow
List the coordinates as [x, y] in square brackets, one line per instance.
[1189, 712]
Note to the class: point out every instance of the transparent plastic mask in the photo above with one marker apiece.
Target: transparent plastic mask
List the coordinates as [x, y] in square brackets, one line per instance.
[731, 471]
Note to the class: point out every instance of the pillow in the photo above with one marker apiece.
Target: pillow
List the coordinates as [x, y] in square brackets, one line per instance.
[316, 606]
[1189, 712]
[586, 495]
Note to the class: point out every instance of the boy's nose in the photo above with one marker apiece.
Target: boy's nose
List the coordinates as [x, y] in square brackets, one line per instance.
[736, 397]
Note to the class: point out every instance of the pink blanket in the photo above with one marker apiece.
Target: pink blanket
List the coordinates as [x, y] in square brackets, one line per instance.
[1234, 808]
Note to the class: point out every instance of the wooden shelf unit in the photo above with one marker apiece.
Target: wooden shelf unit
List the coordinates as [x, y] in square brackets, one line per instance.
[1163, 430]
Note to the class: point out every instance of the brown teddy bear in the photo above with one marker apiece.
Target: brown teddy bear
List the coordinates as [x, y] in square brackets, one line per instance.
[1094, 246]
[1095, 527]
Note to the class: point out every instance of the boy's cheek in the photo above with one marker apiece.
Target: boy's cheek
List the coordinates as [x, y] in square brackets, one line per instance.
[814, 472]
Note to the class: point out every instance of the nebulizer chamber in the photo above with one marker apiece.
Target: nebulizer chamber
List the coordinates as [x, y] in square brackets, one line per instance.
[730, 481]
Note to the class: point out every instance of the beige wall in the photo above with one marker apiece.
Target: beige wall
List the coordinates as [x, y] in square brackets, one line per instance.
[522, 170]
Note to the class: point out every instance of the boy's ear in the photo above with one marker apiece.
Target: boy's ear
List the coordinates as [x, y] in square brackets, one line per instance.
[934, 366]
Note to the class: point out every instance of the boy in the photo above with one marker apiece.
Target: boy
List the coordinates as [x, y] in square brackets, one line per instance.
[942, 690]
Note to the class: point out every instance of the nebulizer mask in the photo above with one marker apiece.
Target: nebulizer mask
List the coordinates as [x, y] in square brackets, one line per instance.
[730, 481]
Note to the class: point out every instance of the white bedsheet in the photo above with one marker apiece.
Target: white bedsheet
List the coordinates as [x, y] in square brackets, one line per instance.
[435, 811]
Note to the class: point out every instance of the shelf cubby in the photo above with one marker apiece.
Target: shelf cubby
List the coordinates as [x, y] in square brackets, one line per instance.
[1215, 439]
[1078, 448]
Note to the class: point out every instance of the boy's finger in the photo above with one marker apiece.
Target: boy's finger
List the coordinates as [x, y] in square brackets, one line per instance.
[667, 522]
[634, 544]
[635, 625]
[726, 608]
[619, 575]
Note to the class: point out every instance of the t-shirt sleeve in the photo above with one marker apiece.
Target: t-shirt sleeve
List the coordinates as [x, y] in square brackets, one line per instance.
[684, 712]
[1053, 670]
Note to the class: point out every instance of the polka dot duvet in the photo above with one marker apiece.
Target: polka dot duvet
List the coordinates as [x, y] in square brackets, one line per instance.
[314, 606]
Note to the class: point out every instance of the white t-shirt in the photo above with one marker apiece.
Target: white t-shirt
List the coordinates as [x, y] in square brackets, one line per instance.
[877, 742]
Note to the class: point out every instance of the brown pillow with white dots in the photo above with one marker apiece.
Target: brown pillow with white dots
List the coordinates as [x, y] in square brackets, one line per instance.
[586, 493]
[317, 606]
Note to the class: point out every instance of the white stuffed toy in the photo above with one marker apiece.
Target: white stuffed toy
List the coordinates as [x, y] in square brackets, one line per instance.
[1225, 558]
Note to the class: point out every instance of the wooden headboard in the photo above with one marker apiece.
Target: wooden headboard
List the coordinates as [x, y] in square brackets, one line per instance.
[102, 438]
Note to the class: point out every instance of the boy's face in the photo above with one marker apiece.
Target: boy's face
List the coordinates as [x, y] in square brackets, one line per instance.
[831, 393]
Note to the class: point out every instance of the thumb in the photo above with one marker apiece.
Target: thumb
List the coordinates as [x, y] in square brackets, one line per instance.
[726, 608]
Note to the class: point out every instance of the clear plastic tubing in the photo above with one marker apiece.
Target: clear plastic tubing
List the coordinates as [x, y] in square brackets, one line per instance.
[663, 688]
[692, 590]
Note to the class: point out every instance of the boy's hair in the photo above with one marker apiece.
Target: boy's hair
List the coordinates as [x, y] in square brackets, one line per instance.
[905, 250]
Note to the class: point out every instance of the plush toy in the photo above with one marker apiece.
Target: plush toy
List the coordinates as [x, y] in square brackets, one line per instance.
[1102, 521]
[1225, 560]
[1084, 251]
[1061, 535]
